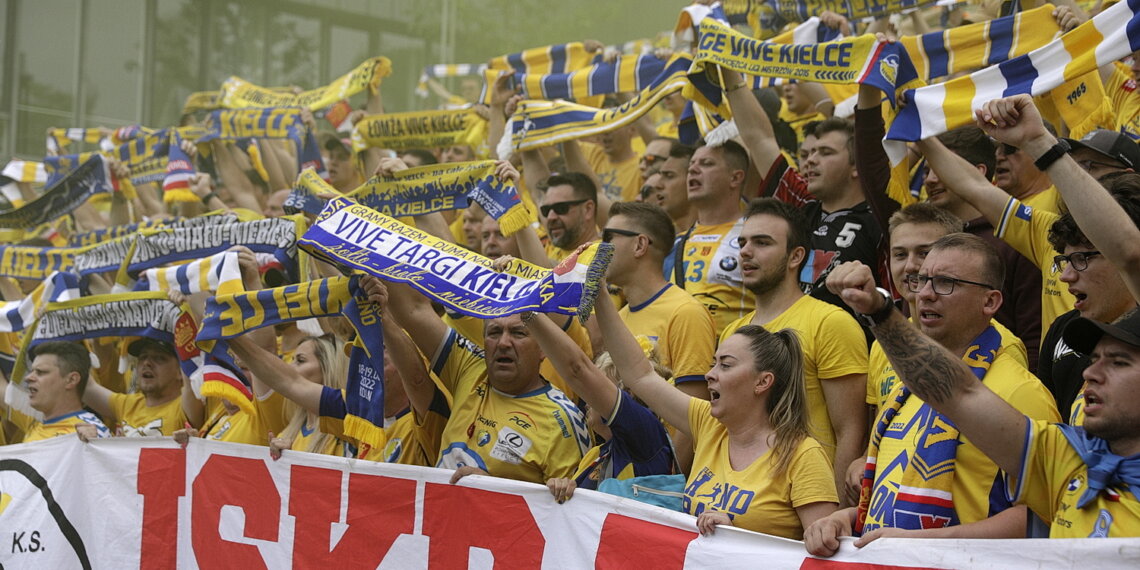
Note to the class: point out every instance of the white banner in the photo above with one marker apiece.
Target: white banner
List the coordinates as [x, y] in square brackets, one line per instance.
[146, 503]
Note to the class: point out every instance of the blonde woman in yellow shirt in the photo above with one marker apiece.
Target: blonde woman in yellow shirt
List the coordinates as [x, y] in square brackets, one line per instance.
[755, 465]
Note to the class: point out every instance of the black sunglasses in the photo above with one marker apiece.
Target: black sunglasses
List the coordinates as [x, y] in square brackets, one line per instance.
[609, 233]
[559, 208]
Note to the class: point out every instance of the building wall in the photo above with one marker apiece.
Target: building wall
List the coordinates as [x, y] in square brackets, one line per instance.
[88, 63]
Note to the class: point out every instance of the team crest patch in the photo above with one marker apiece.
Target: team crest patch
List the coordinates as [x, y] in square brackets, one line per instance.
[1075, 483]
[889, 68]
[484, 438]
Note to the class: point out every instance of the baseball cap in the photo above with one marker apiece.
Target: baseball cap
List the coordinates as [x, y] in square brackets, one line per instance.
[1082, 334]
[1111, 144]
[138, 346]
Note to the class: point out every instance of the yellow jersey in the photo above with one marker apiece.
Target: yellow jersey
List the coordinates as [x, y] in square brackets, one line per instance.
[1052, 479]
[65, 424]
[710, 267]
[682, 328]
[1121, 91]
[529, 437]
[242, 427]
[751, 496]
[974, 473]
[1026, 229]
[136, 419]
[881, 377]
[833, 345]
[471, 328]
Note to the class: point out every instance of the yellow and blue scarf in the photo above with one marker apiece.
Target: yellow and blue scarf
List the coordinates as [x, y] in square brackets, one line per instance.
[162, 246]
[359, 237]
[924, 498]
[625, 74]
[237, 93]
[89, 179]
[451, 186]
[59, 286]
[935, 109]
[35, 263]
[543, 123]
[232, 314]
[419, 129]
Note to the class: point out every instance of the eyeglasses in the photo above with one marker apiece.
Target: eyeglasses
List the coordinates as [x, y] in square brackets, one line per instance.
[1088, 165]
[559, 208]
[651, 159]
[1079, 259]
[609, 233]
[942, 285]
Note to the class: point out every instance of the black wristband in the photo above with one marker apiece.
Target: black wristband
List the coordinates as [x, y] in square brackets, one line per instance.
[206, 199]
[1054, 153]
[880, 315]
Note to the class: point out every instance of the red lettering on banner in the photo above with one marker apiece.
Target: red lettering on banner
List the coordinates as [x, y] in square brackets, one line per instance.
[627, 542]
[161, 479]
[241, 482]
[380, 509]
[458, 518]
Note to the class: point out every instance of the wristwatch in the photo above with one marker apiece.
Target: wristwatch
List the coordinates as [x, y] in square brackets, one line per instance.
[882, 314]
[1052, 155]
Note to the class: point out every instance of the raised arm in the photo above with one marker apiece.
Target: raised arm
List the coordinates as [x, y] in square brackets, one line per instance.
[414, 314]
[669, 403]
[755, 129]
[935, 374]
[277, 374]
[399, 347]
[964, 179]
[586, 379]
[1015, 120]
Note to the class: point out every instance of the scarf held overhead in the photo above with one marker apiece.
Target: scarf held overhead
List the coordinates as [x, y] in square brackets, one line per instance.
[359, 237]
[419, 129]
[437, 187]
[237, 93]
[538, 124]
[69, 193]
[935, 109]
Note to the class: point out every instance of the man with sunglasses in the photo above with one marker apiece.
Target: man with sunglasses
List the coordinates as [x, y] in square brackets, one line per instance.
[656, 152]
[916, 454]
[683, 329]
[568, 209]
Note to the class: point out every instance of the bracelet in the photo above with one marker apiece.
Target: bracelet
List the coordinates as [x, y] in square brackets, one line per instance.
[206, 199]
[527, 316]
[743, 83]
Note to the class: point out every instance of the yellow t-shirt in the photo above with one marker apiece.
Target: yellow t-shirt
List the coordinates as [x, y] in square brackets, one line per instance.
[1026, 229]
[333, 445]
[136, 419]
[400, 445]
[1121, 90]
[620, 182]
[881, 378]
[711, 268]
[1048, 199]
[471, 328]
[54, 427]
[682, 328]
[1052, 480]
[529, 437]
[834, 346]
[752, 497]
[268, 416]
[974, 473]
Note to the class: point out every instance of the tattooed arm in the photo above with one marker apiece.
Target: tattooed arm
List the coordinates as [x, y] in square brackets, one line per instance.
[935, 374]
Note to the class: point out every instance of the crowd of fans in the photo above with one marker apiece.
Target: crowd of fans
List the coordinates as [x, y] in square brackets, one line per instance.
[961, 366]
